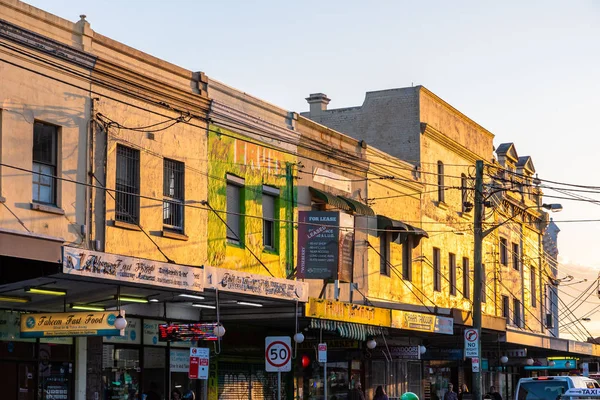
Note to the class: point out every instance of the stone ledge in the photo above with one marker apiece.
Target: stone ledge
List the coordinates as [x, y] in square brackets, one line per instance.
[126, 225]
[175, 235]
[47, 208]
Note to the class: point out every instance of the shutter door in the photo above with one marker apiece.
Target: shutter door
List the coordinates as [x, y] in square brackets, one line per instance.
[248, 381]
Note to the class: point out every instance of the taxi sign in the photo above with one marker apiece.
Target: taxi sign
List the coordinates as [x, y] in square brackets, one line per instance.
[579, 392]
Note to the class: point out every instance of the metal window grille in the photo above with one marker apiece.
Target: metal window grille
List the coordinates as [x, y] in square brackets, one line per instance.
[234, 211]
[127, 207]
[173, 194]
[45, 139]
[452, 264]
[268, 208]
[466, 279]
[515, 256]
[440, 181]
[437, 273]
[384, 250]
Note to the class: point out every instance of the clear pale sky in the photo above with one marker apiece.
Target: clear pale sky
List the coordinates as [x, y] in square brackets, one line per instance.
[528, 71]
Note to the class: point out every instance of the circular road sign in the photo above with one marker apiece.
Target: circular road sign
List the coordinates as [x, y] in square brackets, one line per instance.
[278, 354]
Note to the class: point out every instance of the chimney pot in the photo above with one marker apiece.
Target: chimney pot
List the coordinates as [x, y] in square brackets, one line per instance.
[318, 103]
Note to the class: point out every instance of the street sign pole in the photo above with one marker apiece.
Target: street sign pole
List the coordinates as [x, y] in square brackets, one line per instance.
[278, 385]
[325, 380]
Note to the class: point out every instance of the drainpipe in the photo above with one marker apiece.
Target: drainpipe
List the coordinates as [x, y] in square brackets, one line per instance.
[291, 206]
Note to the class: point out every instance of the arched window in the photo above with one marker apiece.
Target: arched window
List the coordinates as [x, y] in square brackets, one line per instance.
[440, 181]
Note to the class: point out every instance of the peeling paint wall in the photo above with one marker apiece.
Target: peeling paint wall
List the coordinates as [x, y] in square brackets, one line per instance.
[258, 165]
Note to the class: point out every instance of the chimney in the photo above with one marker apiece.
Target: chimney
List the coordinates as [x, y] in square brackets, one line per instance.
[318, 103]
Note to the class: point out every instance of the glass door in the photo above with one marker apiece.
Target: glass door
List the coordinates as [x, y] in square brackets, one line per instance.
[121, 373]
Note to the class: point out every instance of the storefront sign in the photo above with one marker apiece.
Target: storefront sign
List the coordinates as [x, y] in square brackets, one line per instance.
[442, 354]
[259, 285]
[347, 312]
[94, 264]
[69, 324]
[179, 360]
[132, 334]
[415, 321]
[325, 246]
[186, 332]
[151, 332]
[406, 352]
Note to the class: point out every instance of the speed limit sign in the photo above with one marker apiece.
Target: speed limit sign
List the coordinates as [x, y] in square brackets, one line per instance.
[278, 353]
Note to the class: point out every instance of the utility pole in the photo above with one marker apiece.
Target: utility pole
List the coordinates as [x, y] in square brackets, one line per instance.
[477, 272]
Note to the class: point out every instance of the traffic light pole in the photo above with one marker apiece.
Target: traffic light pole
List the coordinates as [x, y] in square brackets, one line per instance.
[477, 272]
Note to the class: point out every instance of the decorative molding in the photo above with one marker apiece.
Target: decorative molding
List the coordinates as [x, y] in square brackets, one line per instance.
[45, 45]
[450, 144]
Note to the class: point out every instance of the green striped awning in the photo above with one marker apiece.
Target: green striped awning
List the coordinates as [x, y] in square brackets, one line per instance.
[348, 330]
[329, 198]
[358, 207]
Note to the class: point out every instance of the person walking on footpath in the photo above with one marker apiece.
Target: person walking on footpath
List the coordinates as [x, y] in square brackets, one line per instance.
[495, 394]
[380, 394]
[464, 393]
[450, 394]
[357, 393]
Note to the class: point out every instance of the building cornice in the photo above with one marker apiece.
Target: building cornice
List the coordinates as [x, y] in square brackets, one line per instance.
[432, 133]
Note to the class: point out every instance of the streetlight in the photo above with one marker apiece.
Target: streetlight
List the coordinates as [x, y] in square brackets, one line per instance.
[479, 235]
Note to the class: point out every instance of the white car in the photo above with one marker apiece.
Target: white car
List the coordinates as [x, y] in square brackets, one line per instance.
[551, 387]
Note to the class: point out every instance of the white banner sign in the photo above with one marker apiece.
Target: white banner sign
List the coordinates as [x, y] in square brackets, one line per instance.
[94, 264]
[180, 360]
[258, 285]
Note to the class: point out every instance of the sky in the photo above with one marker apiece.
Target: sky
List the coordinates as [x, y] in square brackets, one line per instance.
[529, 72]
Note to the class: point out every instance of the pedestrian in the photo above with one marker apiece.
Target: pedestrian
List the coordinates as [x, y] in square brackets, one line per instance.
[356, 393]
[450, 394]
[380, 394]
[176, 395]
[494, 393]
[464, 393]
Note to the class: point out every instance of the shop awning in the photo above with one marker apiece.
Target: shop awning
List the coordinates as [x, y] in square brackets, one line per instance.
[358, 207]
[347, 329]
[329, 198]
[30, 246]
[400, 230]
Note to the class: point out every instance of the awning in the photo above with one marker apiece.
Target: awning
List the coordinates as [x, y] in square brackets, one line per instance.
[400, 230]
[358, 207]
[30, 246]
[347, 329]
[329, 198]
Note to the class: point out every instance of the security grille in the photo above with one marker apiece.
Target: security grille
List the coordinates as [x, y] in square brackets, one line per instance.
[127, 207]
[173, 194]
[248, 381]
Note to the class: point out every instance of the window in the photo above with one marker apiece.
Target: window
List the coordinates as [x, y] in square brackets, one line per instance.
[505, 308]
[385, 240]
[440, 181]
[483, 284]
[407, 258]
[517, 313]
[463, 193]
[516, 256]
[45, 138]
[173, 194]
[235, 200]
[533, 288]
[503, 251]
[466, 278]
[268, 208]
[127, 199]
[437, 273]
[452, 266]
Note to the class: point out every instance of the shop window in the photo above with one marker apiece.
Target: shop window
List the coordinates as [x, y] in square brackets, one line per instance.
[466, 278]
[121, 372]
[452, 267]
[154, 371]
[173, 195]
[437, 270]
[45, 138]
[517, 321]
[440, 182]
[516, 256]
[385, 240]
[506, 308]
[269, 203]
[127, 199]
[503, 251]
[235, 199]
[533, 287]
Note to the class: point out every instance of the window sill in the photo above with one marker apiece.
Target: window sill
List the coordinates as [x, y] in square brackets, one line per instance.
[126, 225]
[47, 208]
[234, 243]
[175, 235]
[442, 205]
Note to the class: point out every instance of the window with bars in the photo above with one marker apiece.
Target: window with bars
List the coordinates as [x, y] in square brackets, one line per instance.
[503, 251]
[452, 267]
[516, 256]
[45, 138]
[440, 182]
[466, 278]
[173, 194]
[385, 240]
[437, 270]
[235, 200]
[269, 203]
[127, 199]
[533, 288]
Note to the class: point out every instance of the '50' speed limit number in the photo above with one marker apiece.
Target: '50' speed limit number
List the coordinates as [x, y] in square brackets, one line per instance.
[278, 354]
